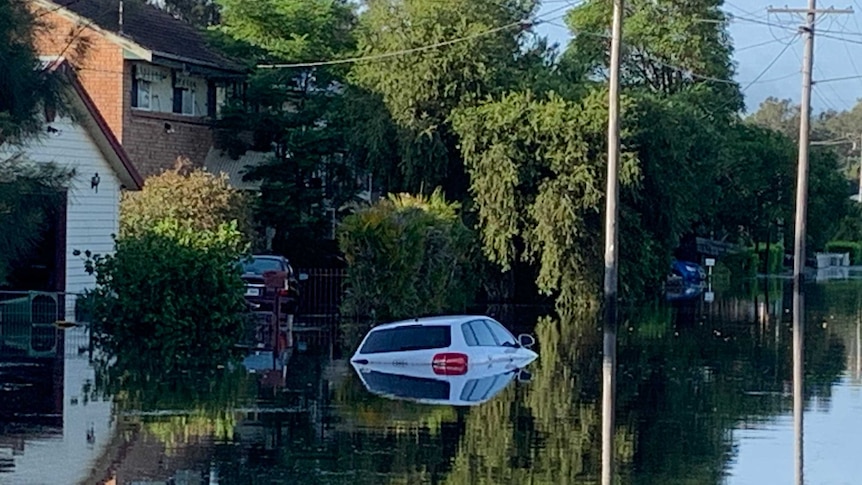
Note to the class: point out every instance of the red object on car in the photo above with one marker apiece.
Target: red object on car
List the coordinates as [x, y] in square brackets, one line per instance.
[450, 364]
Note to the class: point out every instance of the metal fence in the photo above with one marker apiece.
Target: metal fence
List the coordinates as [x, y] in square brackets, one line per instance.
[28, 321]
[322, 292]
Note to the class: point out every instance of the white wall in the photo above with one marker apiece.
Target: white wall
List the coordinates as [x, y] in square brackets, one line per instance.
[91, 217]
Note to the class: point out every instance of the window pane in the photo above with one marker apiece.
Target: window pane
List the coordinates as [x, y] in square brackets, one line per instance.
[469, 336]
[483, 334]
[188, 102]
[503, 336]
[144, 94]
[414, 337]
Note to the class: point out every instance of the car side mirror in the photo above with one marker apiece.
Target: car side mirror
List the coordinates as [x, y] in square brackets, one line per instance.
[303, 276]
[526, 340]
[524, 376]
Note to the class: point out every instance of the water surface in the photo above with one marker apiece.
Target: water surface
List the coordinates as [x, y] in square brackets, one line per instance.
[703, 398]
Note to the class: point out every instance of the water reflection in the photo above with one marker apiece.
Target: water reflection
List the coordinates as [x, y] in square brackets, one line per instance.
[704, 396]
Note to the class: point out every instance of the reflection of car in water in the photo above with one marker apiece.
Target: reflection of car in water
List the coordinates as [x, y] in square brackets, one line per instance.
[422, 384]
[448, 345]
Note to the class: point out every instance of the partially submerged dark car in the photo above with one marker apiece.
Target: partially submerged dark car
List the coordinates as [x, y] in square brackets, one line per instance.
[267, 276]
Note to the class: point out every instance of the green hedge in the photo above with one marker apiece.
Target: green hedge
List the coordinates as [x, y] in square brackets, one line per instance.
[744, 264]
[774, 260]
[407, 256]
[854, 248]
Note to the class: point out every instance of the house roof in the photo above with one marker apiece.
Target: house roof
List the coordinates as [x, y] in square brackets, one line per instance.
[91, 119]
[150, 28]
[218, 161]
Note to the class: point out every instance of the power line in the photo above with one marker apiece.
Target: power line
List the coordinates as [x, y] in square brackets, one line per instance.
[769, 66]
[521, 24]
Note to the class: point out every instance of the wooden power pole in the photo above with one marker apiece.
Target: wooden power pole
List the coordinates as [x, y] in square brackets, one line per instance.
[800, 229]
[609, 358]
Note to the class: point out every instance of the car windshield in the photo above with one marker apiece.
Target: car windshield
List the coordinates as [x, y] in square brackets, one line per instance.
[260, 266]
[402, 339]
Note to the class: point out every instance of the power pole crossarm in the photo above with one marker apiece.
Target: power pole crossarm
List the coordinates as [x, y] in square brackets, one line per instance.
[806, 11]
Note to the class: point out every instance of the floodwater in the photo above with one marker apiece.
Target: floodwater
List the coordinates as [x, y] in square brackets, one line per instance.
[703, 398]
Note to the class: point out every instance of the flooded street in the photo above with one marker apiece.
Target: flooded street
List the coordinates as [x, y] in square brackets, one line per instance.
[704, 397]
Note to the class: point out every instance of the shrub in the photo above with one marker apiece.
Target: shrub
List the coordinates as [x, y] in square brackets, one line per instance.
[172, 293]
[407, 255]
[854, 248]
[774, 260]
[743, 264]
[193, 196]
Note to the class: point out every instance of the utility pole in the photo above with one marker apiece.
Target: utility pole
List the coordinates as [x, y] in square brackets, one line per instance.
[860, 168]
[801, 219]
[609, 357]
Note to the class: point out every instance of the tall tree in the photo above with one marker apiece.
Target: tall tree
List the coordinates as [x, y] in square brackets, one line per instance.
[200, 13]
[422, 86]
[25, 86]
[28, 192]
[668, 46]
[296, 113]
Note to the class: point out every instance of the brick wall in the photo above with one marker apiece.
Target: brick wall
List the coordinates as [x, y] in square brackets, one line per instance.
[108, 80]
[98, 61]
[155, 150]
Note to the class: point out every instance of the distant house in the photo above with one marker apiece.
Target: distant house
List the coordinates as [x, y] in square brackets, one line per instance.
[154, 79]
[81, 141]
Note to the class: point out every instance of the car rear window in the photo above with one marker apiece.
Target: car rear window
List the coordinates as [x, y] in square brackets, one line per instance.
[260, 266]
[406, 387]
[414, 337]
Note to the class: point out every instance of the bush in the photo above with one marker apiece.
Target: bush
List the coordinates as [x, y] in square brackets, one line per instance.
[407, 255]
[172, 293]
[774, 260]
[743, 264]
[193, 196]
[854, 248]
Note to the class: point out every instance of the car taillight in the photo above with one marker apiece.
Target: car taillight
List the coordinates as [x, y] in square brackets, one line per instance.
[283, 292]
[450, 364]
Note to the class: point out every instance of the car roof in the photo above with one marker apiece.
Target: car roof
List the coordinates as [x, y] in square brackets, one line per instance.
[267, 256]
[437, 320]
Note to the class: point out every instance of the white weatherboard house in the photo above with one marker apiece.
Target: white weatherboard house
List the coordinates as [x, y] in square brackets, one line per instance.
[83, 142]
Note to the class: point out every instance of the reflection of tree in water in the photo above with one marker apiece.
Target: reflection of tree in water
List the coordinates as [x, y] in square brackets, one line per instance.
[686, 388]
[548, 431]
[177, 407]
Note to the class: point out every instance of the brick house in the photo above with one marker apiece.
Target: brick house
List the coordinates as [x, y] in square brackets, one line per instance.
[153, 77]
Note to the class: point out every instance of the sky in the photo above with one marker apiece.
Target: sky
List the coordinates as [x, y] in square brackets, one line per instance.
[837, 53]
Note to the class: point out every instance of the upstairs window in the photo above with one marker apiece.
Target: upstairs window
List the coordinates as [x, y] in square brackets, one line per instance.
[144, 78]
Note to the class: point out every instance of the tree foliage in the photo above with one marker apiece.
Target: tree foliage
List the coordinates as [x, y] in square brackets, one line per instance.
[173, 292]
[537, 181]
[200, 199]
[462, 94]
[172, 287]
[421, 90]
[25, 87]
[407, 256]
[30, 194]
[296, 114]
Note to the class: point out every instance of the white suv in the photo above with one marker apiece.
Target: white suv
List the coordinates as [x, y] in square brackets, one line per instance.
[448, 344]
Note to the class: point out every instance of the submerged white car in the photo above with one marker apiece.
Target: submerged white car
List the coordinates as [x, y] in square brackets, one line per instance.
[449, 345]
